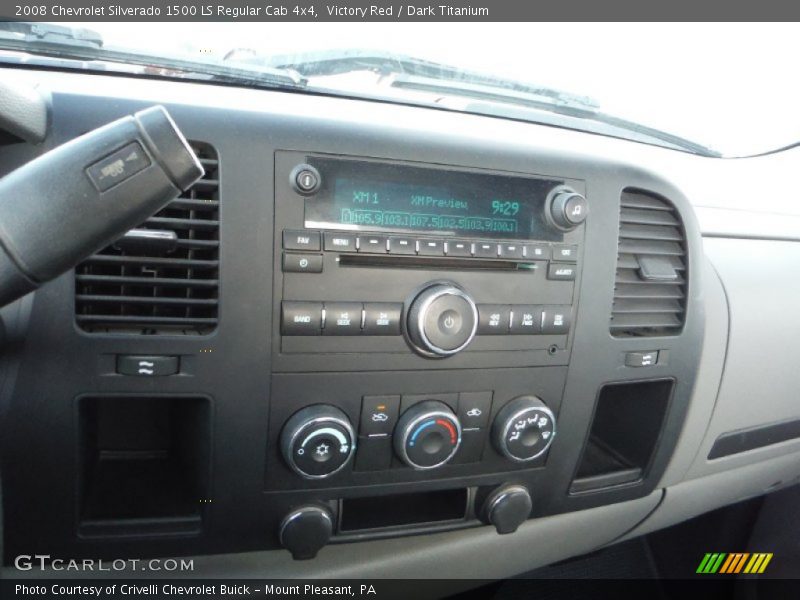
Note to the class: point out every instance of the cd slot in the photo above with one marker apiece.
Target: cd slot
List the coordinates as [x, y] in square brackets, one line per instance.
[428, 262]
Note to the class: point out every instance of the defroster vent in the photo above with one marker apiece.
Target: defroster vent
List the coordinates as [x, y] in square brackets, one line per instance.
[651, 279]
[163, 276]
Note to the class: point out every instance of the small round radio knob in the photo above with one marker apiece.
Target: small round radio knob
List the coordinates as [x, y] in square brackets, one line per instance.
[427, 435]
[566, 208]
[524, 429]
[442, 320]
[317, 441]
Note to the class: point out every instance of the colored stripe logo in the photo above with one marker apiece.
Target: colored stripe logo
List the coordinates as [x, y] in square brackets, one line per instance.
[734, 562]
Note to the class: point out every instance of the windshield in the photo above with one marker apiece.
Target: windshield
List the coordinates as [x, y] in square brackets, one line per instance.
[708, 89]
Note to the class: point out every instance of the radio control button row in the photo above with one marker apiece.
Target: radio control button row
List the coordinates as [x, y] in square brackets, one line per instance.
[459, 248]
[486, 249]
[382, 318]
[302, 263]
[402, 246]
[372, 243]
[301, 318]
[526, 320]
[340, 242]
[565, 252]
[511, 250]
[342, 318]
[428, 247]
[556, 319]
[493, 319]
[561, 271]
[299, 239]
[536, 251]
[379, 415]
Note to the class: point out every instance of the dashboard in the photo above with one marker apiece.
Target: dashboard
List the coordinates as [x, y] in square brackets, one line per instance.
[373, 334]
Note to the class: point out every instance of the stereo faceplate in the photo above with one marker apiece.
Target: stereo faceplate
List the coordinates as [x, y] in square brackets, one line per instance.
[329, 282]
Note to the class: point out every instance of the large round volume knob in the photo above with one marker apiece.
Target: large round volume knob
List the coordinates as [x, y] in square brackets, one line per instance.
[427, 435]
[317, 441]
[523, 429]
[566, 208]
[442, 320]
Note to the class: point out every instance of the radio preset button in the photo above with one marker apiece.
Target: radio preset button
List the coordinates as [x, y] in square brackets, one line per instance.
[429, 247]
[561, 271]
[301, 318]
[342, 318]
[340, 242]
[459, 248]
[556, 319]
[402, 245]
[302, 263]
[486, 250]
[372, 243]
[565, 252]
[299, 239]
[511, 250]
[526, 320]
[379, 415]
[382, 318]
[537, 251]
[493, 319]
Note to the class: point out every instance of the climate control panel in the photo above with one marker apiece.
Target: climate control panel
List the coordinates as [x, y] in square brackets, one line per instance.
[422, 432]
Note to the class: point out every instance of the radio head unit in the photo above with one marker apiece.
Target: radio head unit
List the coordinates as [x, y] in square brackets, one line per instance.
[385, 265]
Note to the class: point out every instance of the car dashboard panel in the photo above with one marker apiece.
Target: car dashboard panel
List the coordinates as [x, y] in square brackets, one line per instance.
[387, 327]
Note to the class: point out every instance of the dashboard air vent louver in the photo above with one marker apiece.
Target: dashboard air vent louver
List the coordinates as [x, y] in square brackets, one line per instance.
[163, 276]
[650, 286]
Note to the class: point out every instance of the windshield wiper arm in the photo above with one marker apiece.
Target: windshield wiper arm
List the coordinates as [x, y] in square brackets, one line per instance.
[12, 37]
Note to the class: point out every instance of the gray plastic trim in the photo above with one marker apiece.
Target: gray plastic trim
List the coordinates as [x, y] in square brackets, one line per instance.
[760, 381]
[478, 553]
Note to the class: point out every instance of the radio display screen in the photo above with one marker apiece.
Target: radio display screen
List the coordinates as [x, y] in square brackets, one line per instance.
[367, 196]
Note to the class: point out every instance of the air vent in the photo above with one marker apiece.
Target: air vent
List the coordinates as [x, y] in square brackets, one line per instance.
[650, 287]
[163, 276]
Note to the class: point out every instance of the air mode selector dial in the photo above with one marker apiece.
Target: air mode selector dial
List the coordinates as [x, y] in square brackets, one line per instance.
[317, 441]
[427, 435]
[524, 429]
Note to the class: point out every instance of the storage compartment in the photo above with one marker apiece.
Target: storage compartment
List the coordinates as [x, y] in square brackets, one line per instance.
[145, 464]
[397, 510]
[625, 430]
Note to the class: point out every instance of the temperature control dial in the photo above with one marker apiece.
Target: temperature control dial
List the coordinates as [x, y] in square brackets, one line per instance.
[317, 441]
[427, 435]
[523, 429]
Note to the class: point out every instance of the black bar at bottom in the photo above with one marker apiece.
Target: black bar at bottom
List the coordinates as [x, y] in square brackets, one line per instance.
[756, 437]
